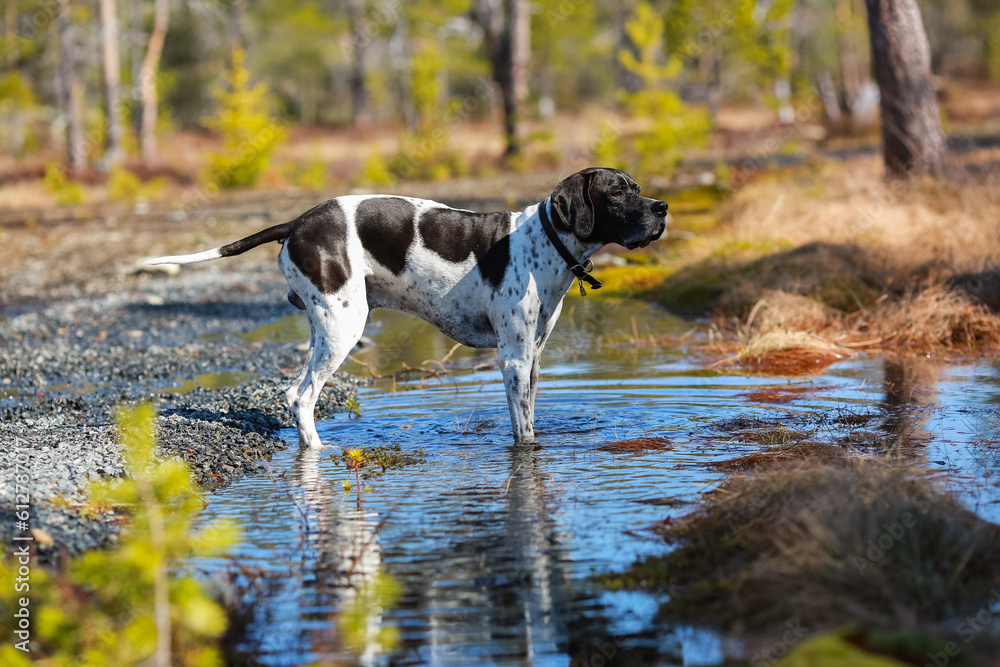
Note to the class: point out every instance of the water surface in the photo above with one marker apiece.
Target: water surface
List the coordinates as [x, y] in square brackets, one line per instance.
[496, 547]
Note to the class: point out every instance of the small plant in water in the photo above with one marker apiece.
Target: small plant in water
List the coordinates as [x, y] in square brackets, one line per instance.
[372, 462]
[353, 406]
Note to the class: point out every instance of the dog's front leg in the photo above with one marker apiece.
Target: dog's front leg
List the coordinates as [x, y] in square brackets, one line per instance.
[515, 360]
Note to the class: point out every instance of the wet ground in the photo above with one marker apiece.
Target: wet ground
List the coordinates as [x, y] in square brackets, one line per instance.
[178, 342]
[497, 549]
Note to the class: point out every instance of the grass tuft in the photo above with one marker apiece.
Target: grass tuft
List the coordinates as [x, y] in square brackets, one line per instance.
[861, 542]
[783, 352]
[636, 445]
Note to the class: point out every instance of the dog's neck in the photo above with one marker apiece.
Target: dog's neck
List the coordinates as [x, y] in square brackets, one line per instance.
[581, 249]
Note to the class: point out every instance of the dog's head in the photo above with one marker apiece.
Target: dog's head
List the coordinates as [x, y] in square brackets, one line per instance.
[601, 205]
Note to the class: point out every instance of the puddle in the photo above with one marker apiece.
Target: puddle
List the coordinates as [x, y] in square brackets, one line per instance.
[495, 546]
[208, 381]
[287, 329]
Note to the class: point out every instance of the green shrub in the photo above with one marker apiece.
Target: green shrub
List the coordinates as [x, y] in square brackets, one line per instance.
[110, 607]
[125, 186]
[66, 192]
[312, 175]
[669, 125]
[425, 154]
[249, 134]
[376, 171]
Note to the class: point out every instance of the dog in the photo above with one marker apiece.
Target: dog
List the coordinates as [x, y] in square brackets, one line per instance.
[484, 279]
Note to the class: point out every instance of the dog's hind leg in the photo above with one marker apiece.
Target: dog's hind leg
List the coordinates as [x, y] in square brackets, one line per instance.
[336, 322]
[292, 394]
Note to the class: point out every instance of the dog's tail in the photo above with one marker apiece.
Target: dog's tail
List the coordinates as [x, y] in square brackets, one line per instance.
[276, 233]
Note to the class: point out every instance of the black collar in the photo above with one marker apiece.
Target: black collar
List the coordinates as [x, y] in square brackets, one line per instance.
[576, 267]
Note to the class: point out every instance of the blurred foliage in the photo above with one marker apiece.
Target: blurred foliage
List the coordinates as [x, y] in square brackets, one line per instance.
[298, 44]
[311, 176]
[67, 192]
[670, 124]
[16, 93]
[424, 66]
[102, 609]
[249, 134]
[426, 153]
[572, 55]
[375, 170]
[428, 65]
[125, 186]
[380, 593]
[752, 39]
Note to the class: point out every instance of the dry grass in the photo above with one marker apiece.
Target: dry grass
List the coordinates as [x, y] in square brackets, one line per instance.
[836, 252]
[795, 452]
[860, 542]
[950, 223]
[920, 320]
[783, 352]
[636, 445]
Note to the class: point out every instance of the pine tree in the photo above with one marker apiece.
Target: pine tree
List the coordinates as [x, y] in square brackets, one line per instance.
[249, 134]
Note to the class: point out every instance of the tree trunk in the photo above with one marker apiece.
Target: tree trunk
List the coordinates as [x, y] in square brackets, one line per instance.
[626, 79]
[359, 43]
[236, 38]
[308, 108]
[399, 49]
[112, 65]
[136, 41]
[10, 32]
[827, 92]
[149, 74]
[850, 71]
[72, 87]
[912, 138]
[520, 49]
[497, 27]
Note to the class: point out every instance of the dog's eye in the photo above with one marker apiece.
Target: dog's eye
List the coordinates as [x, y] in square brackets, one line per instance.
[616, 195]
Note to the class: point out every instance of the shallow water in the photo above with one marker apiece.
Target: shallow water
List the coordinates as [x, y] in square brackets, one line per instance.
[495, 547]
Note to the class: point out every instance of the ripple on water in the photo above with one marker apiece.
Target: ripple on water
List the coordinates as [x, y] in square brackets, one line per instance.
[495, 545]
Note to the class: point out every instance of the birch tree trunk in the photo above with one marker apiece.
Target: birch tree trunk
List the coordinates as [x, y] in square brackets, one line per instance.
[912, 138]
[520, 48]
[150, 67]
[236, 33]
[10, 32]
[112, 64]
[359, 44]
[72, 89]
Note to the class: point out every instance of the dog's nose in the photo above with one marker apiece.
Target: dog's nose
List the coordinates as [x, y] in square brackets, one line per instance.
[660, 208]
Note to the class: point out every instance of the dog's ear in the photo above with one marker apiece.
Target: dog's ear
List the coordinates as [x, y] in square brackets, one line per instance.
[573, 204]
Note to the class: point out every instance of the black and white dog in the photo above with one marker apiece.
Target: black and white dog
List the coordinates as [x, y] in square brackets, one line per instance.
[485, 279]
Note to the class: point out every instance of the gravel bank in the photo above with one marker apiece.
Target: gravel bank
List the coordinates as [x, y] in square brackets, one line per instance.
[64, 367]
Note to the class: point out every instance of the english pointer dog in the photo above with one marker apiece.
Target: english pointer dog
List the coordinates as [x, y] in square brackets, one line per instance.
[484, 279]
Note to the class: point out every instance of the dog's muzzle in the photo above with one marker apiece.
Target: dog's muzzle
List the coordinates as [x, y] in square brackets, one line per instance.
[663, 229]
[660, 209]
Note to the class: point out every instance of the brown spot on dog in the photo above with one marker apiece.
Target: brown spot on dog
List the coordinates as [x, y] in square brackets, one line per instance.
[317, 245]
[385, 227]
[455, 234]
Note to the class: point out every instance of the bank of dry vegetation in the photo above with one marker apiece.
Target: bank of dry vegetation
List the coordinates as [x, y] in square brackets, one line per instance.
[842, 544]
[831, 258]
